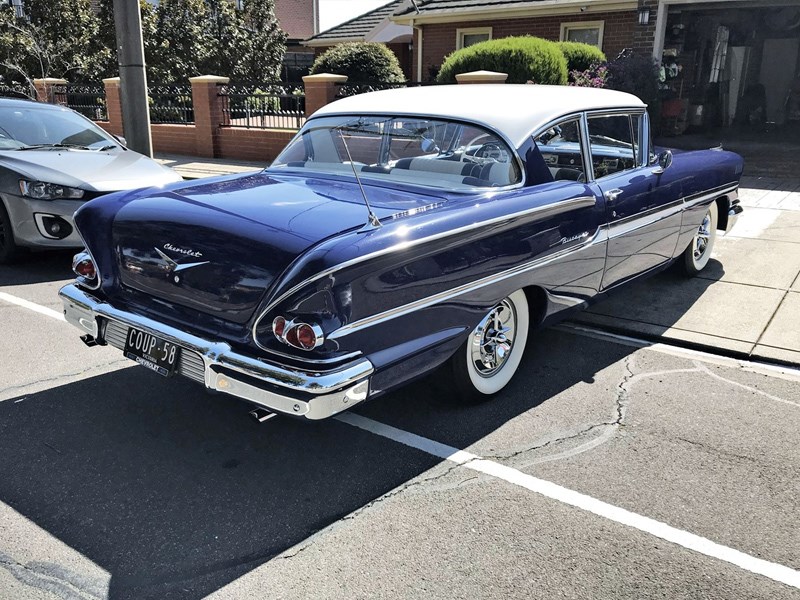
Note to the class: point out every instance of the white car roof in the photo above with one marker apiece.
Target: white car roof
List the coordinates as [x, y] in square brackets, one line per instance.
[514, 110]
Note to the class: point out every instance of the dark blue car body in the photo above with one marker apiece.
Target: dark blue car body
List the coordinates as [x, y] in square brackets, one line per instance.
[392, 302]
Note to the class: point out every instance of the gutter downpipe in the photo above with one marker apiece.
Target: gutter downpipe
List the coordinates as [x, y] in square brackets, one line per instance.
[661, 30]
[419, 49]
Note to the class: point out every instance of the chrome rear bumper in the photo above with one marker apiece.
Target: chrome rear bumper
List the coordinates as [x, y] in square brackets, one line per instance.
[310, 394]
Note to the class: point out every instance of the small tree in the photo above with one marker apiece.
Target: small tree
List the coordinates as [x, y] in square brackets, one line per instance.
[523, 58]
[56, 38]
[264, 44]
[362, 62]
[183, 42]
[636, 74]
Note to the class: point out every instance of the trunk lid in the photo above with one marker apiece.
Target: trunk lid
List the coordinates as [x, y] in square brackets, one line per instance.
[216, 247]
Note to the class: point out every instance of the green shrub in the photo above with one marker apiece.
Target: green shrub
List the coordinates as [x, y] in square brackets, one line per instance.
[362, 62]
[581, 56]
[523, 58]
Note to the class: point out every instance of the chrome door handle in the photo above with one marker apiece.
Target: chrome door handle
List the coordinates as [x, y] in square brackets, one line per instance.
[612, 195]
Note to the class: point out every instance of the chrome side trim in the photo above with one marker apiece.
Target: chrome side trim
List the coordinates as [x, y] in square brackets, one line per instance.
[637, 221]
[545, 211]
[599, 237]
[330, 391]
[317, 361]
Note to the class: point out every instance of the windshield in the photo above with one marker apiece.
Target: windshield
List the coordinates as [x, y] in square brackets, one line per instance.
[423, 151]
[26, 127]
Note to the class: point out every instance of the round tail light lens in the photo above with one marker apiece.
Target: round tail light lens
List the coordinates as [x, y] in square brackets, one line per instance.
[85, 268]
[306, 338]
[279, 327]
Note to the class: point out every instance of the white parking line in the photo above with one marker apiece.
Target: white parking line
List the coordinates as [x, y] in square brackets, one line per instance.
[556, 492]
[551, 490]
[53, 314]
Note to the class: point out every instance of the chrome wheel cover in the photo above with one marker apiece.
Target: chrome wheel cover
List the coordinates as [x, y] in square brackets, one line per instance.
[702, 237]
[493, 339]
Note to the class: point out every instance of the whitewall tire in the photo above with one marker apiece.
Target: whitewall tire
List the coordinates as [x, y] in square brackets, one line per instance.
[490, 357]
[698, 252]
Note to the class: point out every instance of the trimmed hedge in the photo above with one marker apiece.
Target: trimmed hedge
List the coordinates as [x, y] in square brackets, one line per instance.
[523, 58]
[581, 56]
[362, 62]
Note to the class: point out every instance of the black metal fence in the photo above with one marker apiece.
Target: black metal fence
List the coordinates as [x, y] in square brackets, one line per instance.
[16, 90]
[89, 99]
[171, 103]
[267, 105]
[353, 88]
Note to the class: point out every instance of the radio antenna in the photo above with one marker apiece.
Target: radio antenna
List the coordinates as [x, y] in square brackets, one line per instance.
[372, 220]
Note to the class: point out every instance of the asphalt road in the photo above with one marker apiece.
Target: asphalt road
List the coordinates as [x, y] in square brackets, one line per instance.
[605, 470]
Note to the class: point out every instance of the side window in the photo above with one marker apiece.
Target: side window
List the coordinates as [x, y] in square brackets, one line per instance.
[560, 147]
[612, 144]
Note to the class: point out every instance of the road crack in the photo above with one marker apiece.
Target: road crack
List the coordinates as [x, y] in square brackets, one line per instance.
[54, 579]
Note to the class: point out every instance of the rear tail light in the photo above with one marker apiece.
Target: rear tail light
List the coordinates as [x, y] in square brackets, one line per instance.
[297, 334]
[279, 327]
[84, 266]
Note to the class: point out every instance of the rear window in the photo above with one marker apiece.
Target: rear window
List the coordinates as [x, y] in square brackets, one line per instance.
[422, 151]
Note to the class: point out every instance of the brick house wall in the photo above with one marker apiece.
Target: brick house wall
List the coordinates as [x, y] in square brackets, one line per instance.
[296, 18]
[620, 30]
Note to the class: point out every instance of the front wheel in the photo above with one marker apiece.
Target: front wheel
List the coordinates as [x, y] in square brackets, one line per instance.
[698, 252]
[490, 357]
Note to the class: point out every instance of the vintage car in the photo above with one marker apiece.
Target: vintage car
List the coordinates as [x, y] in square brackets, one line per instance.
[399, 232]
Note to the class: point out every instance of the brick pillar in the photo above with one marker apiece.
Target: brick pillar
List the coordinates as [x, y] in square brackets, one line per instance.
[47, 90]
[114, 106]
[208, 113]
[481, 77]
[321, 89]
[644, 35]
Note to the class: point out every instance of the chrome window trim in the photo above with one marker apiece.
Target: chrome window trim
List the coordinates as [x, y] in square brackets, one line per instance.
[612, 113]
[555, 209]
[599, 237]
[579, 116]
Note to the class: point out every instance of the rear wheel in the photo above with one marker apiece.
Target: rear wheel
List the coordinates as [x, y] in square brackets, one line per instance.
[698, 252]
[9, 250]
[490, 357]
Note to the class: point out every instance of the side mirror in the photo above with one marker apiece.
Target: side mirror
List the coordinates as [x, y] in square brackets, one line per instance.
[664, 161]
[120, 139]
[428, 145]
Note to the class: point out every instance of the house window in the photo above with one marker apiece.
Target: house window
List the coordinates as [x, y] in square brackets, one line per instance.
[473, 35]
[588, 32]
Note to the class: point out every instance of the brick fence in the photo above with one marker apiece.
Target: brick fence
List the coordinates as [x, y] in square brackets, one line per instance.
[211, 135]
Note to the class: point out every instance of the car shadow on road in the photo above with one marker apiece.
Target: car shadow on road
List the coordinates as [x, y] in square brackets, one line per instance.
[175, 492]
[38, 267]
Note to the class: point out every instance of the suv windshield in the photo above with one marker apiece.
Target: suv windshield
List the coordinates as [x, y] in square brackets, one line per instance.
[26, 127]
[416, 150]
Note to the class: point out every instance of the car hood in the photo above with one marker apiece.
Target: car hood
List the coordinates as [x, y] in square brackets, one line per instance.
[217, 246]
[89, 169]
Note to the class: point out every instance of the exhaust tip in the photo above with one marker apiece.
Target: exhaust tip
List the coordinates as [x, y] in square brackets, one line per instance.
[89, 340]
[262, 414]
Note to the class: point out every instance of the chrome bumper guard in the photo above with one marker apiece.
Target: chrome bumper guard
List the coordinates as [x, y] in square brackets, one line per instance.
[310, 394]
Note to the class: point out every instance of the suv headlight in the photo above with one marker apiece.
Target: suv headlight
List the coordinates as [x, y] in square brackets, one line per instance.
[40, 190]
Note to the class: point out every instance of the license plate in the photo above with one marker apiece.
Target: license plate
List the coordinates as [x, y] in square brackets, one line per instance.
[152, 352]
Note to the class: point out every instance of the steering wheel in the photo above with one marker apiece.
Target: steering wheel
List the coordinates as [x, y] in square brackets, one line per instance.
[492, 151]
[468, 145]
